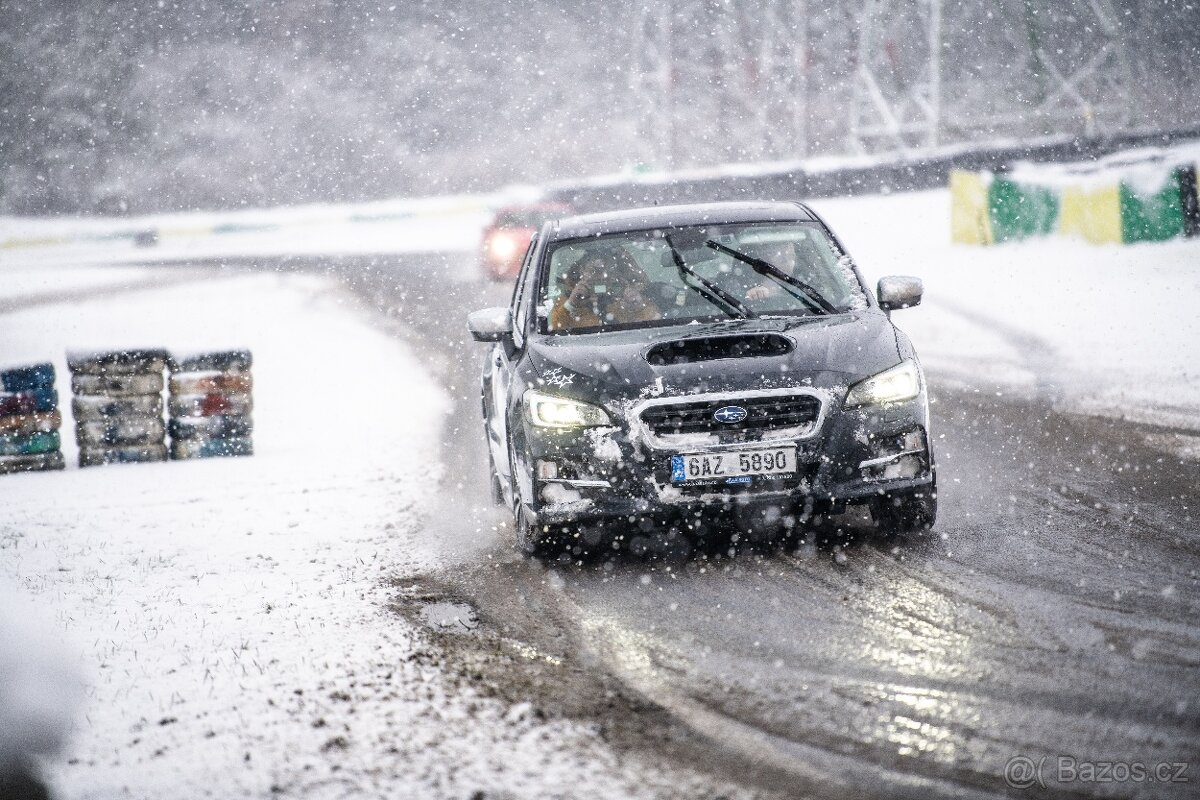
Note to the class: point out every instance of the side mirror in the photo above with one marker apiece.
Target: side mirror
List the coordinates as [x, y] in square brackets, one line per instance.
[490, 324]
[899, 291]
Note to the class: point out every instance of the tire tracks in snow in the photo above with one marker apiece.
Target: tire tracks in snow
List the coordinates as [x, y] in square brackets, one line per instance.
[1037, 354]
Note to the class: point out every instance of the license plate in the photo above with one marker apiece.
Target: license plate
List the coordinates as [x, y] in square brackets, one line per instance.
[732, 467]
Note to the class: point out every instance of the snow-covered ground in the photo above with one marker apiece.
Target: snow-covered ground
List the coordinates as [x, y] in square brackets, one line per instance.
[231, 616]
[1108, 330]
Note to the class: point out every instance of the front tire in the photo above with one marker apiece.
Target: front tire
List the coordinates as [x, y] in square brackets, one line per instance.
[907, 511]
[497, 489]
[528, 542]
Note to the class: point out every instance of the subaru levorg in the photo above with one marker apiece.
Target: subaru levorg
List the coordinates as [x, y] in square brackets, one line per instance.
[670, 364]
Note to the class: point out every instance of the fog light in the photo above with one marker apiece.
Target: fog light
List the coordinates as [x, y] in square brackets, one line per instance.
[904, 467]
[898, 456]
[547, 470]
[556, 493]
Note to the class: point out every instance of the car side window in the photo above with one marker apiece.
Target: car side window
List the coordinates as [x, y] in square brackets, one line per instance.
[521, 296]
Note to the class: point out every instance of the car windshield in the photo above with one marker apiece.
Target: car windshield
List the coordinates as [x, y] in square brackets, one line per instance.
[680, 275]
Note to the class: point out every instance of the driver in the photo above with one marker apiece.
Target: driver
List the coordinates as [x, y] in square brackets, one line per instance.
[782, 256]
[607, 287]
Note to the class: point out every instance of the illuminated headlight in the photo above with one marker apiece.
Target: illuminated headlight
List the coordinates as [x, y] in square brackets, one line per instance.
[901, 382]
[503, 246]
[547, 411]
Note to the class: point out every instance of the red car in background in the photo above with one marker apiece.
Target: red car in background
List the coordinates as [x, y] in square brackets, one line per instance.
[507, 238]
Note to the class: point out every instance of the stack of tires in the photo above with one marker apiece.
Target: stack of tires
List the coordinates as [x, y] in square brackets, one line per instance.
[118, 406]
[210, 404]
[29, 420]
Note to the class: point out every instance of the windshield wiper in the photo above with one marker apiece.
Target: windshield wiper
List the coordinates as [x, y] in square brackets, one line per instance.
[808, 294]
[707, 289]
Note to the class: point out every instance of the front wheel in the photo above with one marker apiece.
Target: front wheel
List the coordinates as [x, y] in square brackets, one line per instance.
[528, 542]
[906, 511]
[497, 489]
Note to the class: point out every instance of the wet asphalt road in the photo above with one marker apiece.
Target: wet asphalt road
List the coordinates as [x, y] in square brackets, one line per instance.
[1053, 613]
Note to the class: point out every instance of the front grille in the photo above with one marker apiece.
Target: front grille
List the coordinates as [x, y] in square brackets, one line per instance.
[762, 414]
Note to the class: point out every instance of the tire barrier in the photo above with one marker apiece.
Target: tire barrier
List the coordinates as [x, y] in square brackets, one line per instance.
[16, 403]
[210, 448]
[1121, 201]
[29, 420]
[29, 444]
[24, 424]
[133, 454]
[211, 427]
[210, 405]
[126, 430]
[118, 406]
[28, 402]
[41, 462]
[118, 362]
[219, 361]
[117, 385]
[211, 382]
[86, 409]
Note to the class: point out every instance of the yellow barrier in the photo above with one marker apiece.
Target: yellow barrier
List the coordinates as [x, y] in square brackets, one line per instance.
[970, 222]
[1094, 215]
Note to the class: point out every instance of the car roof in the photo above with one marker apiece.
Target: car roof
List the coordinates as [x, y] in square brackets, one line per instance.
[547, 205]
[639, 219]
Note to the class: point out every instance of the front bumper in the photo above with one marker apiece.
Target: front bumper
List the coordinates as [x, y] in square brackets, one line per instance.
[850, 456]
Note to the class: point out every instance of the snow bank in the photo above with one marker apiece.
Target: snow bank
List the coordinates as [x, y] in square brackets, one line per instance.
[232, 615]
[1099, 329]
[39, 684]
[1146, 168]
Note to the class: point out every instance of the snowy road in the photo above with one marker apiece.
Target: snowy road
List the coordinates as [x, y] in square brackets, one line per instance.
[1050, 616]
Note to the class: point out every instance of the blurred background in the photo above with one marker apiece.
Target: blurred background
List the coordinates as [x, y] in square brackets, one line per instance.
[119, 106]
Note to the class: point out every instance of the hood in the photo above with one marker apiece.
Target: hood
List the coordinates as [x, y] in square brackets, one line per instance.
[819, 352]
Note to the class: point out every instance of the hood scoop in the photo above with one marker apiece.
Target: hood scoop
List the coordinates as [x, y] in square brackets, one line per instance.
[711, 348]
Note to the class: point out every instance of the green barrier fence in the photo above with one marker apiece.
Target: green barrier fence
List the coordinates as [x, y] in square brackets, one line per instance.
[1019, 211]
[1189, 188]
[1153, 217]
[1122, 211]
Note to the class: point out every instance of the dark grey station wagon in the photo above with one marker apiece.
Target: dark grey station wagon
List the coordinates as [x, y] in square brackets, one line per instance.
[667, 366]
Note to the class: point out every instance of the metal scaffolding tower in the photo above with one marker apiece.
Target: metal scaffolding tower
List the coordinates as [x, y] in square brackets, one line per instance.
[910, 93]
[742, 69]
[897, 95]
[652, 81]
[729, 80]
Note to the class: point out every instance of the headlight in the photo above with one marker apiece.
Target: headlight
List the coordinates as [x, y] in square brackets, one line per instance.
[548, 411]
[503, 246]
[901, 382]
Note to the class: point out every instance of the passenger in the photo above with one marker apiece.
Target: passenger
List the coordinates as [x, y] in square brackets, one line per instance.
[607, 287]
